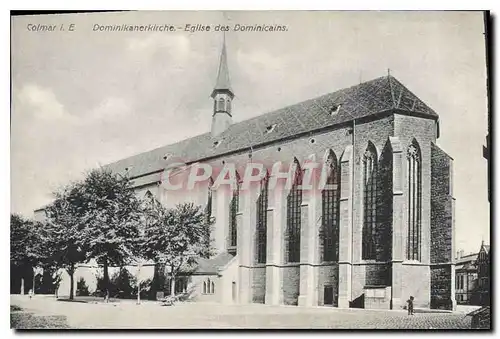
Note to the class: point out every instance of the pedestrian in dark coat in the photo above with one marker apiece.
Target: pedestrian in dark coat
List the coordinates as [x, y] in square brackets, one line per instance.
[410, 305]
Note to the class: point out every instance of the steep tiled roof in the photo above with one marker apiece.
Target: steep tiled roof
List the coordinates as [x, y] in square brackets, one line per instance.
[467, 258]
[368, 98]
[469, 266]
[212, 266]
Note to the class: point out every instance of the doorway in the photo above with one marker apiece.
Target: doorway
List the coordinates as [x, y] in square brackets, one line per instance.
[328, 295]
[233, 290]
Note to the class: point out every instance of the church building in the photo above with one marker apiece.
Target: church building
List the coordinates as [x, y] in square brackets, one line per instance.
[380, 232]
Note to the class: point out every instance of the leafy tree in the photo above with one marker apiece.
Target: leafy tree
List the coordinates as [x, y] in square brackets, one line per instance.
[175, 237]
[81, 287]
[23, 241]
[25, 244]
[112, 215]
[48, 282]
[124, 283]
[63, 237]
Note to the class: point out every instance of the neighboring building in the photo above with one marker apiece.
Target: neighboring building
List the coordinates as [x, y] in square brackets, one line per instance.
[472, 277]
[483, 274]
[486, 155]
[381, 232]
[465, 277]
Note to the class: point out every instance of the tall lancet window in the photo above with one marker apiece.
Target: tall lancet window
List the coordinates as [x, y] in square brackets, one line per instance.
[370, 193]
[330, 209]
[261, 234]
[208, 211]
[233, 210]
[294, 200]
[414, 201]
[228, 106]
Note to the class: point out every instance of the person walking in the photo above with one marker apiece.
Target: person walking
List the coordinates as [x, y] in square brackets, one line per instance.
[410, 305]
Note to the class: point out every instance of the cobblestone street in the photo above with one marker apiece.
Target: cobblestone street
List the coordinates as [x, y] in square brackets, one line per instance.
[127, 314]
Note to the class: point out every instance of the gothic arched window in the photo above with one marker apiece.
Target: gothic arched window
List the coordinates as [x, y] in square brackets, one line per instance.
[208, 211]
[233, 210]
[212, 288]
[370, 192]
[330, 209]
[204, 287]
[414, 201]
[228, 105]
[261, 238]
[294, 200]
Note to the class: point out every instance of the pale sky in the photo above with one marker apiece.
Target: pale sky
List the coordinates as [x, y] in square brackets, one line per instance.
[82, 99]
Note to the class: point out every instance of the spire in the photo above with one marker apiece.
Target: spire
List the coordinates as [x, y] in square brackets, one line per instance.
[223, 84]
[222, 96]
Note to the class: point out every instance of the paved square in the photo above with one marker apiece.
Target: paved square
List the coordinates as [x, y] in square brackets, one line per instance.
[126, 314]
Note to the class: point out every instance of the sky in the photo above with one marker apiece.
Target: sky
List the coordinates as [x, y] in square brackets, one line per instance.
[81, 98]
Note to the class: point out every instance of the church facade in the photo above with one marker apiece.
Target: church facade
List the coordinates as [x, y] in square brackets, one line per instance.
[381, 232]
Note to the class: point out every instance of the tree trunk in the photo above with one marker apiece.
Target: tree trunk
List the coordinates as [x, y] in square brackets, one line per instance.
[22, 286]
[106, 280]
[71, 273]
[138, 284]
[155, 284]
[172, 288]
[34, 277]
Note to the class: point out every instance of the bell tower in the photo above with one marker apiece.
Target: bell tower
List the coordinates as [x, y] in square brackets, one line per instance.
[222, 95]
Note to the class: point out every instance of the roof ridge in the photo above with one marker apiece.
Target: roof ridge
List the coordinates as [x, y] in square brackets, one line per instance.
[392, 91]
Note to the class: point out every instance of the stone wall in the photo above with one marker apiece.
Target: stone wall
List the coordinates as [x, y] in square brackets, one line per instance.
[290, 284]
[442, 229]
[258, 284]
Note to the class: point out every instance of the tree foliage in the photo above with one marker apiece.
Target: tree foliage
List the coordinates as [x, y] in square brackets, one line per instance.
[101, 218]
[82, 288]
[63, 237]
[25, 242]
[112, 214]
[175, 237]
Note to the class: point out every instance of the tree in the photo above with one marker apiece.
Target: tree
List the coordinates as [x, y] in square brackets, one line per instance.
[63, 237]
[81, 287]
[25, 244]
[175, 237]
[23, 240]
[48, 282]
[124, 283]
[112, 215]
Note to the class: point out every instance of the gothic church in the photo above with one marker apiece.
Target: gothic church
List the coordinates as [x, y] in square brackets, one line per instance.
[381, 232]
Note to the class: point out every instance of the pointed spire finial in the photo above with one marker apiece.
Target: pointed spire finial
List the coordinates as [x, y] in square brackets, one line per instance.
[222, 83]
[388, 72]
